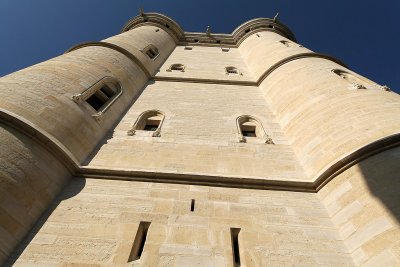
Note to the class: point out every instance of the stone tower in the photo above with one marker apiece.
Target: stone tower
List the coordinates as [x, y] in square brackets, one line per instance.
[159, 147]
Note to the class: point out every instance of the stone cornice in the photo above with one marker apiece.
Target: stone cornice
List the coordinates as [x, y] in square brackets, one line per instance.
[201, 80]
[115, 48]
[40, 136]
[155, 19]
[245, 182]
[251, 83]
[209, 39]
[57, 149]
[295, 57]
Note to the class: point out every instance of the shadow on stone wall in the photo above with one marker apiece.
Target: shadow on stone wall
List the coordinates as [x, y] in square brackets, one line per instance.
[382, 175]
[73, 188]
[110, 133]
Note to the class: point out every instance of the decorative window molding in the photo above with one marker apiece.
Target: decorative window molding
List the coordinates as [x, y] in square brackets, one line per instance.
[250, 127]
[150, 121]
[151, 51]
[100, 96]
[177, 67]
[230, 70]
[359, 82]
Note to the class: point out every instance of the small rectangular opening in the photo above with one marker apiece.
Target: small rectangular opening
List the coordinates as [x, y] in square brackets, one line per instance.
[235, 246]
[192, 205]
[109, 92]
[249, 133]
[152, 124]
[139, 242]
[248, 130]
[151, 53]
[101, 96]
[188, 47]
[232, 71]
[95, 101]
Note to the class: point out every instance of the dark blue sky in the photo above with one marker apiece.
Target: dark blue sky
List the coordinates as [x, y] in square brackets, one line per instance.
[363, 34]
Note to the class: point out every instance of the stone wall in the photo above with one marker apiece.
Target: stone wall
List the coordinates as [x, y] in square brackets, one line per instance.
[364, 203]
[95, 222]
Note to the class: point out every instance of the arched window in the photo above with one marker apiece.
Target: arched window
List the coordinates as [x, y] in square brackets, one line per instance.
[231, 70]
[101, 95]
[151, 51]
[149, 122]
[177, 67]
[248, 127]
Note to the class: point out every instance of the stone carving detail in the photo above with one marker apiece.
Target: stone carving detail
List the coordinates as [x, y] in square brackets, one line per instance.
[359, 86]
[131, 132]
[98, 116]
[385, 88]
[77, 98]
[276, 17]
[208, 32]
[241, 139]
[268, 140]
[157, 133]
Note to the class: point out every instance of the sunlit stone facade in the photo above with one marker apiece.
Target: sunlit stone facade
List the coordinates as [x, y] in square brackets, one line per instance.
[159, 147]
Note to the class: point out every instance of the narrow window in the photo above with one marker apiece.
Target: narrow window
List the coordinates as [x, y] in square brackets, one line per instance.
[166, 25]
[101, 96]
[357, 82]
[247, 31]
[218, 41]
[148, 121]
[249, 130]
[225, 49]
[235, 246]
[152, 123]
[139, 242]
[258, 35]
[151, 51]
[231, 70]
[192, 205]
[196, 40]
[285, 43]
[178, 67]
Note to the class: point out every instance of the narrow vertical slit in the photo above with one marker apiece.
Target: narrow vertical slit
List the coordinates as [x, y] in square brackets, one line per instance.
[139, 242]
[235, 246]
[192, 205]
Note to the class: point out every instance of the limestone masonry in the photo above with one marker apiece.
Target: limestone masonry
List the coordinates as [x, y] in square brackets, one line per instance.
[159, 147]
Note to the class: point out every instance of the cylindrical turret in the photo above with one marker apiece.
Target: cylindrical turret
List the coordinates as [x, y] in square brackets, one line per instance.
[339, 124]
[66, 104]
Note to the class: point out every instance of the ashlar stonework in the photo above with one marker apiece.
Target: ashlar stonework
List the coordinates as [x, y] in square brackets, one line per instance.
[159, 147]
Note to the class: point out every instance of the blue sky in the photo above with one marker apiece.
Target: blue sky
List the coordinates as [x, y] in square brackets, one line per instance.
[363, 34]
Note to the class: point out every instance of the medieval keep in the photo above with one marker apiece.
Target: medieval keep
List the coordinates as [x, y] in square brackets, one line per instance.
[159, 147]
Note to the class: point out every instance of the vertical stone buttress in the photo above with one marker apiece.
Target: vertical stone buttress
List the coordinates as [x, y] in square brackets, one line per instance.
[344, 129]
[45, 135]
